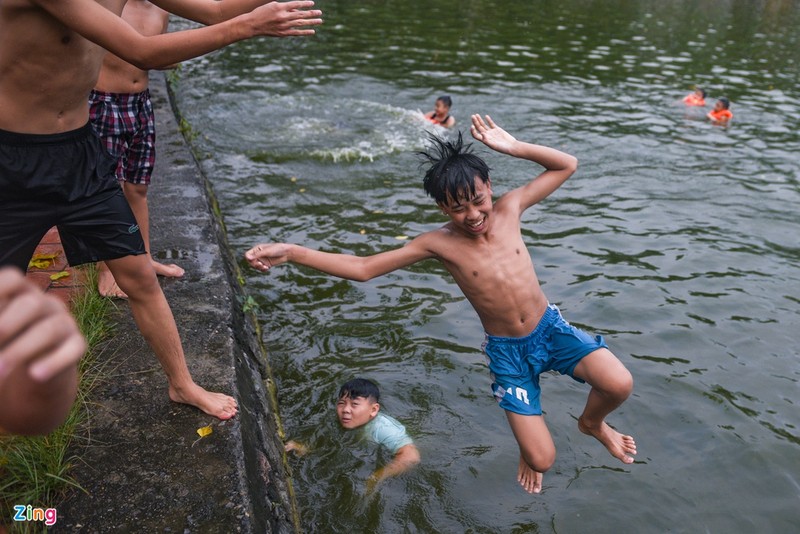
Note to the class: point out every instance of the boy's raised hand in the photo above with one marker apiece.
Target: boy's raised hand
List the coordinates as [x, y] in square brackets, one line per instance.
[491, 134]
[267, 255]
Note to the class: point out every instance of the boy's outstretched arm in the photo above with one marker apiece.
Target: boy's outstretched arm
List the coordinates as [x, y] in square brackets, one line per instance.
[558, 165]
[101, 26]
[213, 11]
[358, 268]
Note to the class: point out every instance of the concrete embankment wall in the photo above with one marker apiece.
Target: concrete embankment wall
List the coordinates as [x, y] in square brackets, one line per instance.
[144, 467]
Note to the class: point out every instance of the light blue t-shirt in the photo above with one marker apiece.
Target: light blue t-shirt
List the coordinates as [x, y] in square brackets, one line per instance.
[388, 432]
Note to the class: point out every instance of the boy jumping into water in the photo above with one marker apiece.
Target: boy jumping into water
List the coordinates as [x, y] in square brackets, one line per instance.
[54, 170]
[482, 248]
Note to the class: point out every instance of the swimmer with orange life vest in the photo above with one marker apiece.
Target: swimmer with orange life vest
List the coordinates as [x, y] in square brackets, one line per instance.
[721, 112]
[697, 98]
[441, 112]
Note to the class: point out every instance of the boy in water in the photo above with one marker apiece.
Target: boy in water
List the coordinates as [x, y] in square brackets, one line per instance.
[441, 112]
[54, 170]
[482, 248]
[122, 115]
[40, 346]
[721, 113]
[696, 98]
[358, 407]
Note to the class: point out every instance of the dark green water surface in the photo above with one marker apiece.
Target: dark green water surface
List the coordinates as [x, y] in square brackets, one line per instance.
[677, 240]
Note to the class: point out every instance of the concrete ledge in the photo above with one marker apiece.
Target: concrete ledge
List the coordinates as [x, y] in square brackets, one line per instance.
[144, 468]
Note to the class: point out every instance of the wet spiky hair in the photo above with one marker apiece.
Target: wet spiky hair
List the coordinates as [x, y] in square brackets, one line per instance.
[453, 169]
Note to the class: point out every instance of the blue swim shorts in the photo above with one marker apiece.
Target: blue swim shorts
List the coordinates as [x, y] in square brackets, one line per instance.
[516, 363]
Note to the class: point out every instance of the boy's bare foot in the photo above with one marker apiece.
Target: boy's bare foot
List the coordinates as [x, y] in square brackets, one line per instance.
[219, 405]
[530, 480]
[107, 286]
[619, 445]
[170, 270]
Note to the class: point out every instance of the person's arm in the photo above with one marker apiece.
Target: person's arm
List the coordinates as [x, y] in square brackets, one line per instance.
[40, 346]
[209, 11]
[404, 459]
[358, 268]
[558, 165]
[101, 26]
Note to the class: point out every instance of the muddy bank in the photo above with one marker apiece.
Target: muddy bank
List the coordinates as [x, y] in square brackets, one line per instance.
[144, 467]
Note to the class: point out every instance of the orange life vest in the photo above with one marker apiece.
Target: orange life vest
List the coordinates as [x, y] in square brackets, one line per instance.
[721, 115]
[694, 100]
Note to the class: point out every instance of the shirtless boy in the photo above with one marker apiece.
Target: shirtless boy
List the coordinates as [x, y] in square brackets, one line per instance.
[54, 170]
[122, 115]
[482, 248]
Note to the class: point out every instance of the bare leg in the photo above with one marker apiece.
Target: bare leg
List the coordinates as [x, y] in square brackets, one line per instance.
[537, 452]
[154, 318]
[136, 194]
[611, 384]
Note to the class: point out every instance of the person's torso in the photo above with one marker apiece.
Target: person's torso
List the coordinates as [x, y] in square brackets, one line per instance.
[46, 69]
[496, 274]
[116, 74]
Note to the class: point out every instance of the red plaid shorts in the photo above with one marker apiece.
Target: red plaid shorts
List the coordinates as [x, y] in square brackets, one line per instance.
[126, 124]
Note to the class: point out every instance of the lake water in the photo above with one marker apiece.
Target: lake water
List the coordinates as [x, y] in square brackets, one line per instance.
[677, 240]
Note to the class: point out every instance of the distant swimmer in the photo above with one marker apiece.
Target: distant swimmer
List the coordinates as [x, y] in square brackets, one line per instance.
[441, 112]
[697, 98]
[721, 112]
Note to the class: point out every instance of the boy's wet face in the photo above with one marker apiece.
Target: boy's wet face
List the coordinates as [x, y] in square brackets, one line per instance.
[354, 412]
[470, 212]
[440, 108]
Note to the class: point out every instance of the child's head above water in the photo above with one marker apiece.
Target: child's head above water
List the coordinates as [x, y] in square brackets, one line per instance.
[723, 103]
[443, 103]
[453, 170]
[358, 403]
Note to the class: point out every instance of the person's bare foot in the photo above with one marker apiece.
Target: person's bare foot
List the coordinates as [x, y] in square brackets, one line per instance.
[219, 405]
[107, 286]
[620, 446]
[530, 480]
[170, 270]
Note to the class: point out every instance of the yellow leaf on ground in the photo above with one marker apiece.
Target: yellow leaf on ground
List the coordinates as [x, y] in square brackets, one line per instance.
[50, 256]
[39, 264]
[59, 275]
[204, 431]
[42, 261]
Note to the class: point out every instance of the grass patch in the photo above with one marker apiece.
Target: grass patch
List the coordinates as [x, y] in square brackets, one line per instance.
[36, 470]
